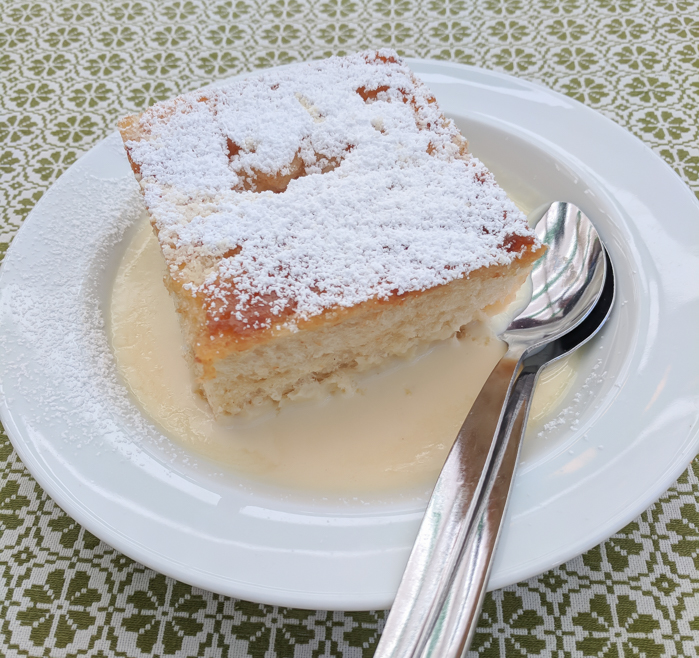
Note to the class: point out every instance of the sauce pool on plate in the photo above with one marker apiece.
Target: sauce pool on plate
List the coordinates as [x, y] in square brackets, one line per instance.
[391, 433]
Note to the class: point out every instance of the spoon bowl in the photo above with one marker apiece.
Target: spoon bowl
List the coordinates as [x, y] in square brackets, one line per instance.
[566, 282]
[441, 593]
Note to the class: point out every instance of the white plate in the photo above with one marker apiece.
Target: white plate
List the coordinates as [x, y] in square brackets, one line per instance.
[630, 433]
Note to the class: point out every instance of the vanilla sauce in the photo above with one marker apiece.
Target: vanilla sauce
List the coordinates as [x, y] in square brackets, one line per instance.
[393, 433]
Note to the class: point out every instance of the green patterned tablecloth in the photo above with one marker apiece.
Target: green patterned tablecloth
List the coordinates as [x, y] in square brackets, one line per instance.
[68, 70]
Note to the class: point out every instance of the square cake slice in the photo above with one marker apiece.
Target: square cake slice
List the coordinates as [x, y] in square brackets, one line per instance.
[317, 219]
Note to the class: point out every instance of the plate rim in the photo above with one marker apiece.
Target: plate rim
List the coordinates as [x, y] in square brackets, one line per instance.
[73, 507]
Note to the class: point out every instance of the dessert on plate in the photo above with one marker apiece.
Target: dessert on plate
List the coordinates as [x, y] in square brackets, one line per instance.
[317, 219]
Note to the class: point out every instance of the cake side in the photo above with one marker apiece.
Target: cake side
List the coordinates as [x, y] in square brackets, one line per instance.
[331, 353]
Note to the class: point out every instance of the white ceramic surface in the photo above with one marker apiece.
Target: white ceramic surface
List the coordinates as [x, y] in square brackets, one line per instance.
[613, 450]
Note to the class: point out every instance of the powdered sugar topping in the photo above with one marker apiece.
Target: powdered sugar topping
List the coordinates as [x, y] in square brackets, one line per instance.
[321, 185]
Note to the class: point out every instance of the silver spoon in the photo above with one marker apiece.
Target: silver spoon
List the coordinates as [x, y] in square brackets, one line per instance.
[440, 596]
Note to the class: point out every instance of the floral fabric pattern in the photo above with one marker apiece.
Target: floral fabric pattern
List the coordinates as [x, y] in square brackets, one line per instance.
[69, 69]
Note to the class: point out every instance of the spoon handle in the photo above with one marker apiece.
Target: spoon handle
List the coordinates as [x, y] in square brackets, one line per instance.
[437, 581]
[458, 618]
